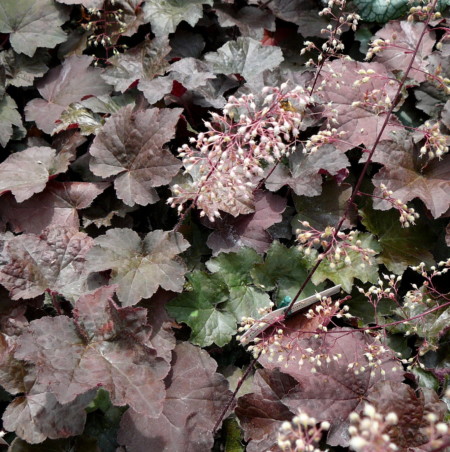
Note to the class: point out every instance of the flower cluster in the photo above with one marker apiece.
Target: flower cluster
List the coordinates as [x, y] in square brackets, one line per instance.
[106, 25]
[326, 310]
[377, 46]
[408, 215]
[436, 142]
[323, 137]
[228, 160]
[438, 433]
[423, 12]
[375, 294]
[302, 434]
[281, 345]
[369, 433]
[343, 20]
[374, 354]
[338, 245]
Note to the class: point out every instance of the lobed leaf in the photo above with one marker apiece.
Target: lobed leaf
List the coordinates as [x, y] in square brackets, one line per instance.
[103, 345]
[284, 269]
[304, 172]
[411, 408]
[408, 177]
[337, 388]
[36, 417]
[231, 234]
[27, 172]
[406, 36]
[341, 273]
[138, 266]
[57, 205]
[323, 210]
[165, 15]
[54, 260]
[130, 146]
[245, 56]
[195, 397]
[142, 62]
[262, 411]
[361, 124]
[61, 86]
[201, 307]
[21, 70]
[32, 24]
[9, 117]
[399, 247]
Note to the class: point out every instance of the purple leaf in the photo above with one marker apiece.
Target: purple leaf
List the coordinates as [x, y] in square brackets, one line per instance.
[130, 146]
[245, 56]
[195, 397]
[250, 20]
[301, 12]
[338, 387]
[303, 175]
[36, 417]
[57, 205]
[54, 260]
[63, 85]
[9, 117]
[27, 172]
[143, 62]
[231, 234]
[165, 15]
[361, 124]
[411, 408]
[404, 37]
[138, 266]
[103, 345]
[408, 176]
[262, 412]
[32, 24]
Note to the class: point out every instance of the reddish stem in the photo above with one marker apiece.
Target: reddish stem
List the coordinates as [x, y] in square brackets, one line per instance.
[366, 165]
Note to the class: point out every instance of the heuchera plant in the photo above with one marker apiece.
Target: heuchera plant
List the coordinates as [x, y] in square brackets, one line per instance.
[173, 171]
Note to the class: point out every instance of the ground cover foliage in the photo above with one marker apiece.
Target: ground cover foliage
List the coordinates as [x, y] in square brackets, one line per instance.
[170, 171]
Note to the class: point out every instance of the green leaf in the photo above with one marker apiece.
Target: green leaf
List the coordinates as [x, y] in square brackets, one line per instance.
[246, 300]
[202, 308]
[32, 24]
[425, 378]
[381, 10]
[9, 117]
[165, 15]
[325, 209]
[361, 308]
[400, 247]
[284, 269]
[217, 302]
[429, 327]
[345, 274]
[385, 10]
[235, 268]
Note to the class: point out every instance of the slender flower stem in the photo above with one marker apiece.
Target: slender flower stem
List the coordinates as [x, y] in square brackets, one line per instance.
[355, 193]
[356, 188]
[233, 396]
